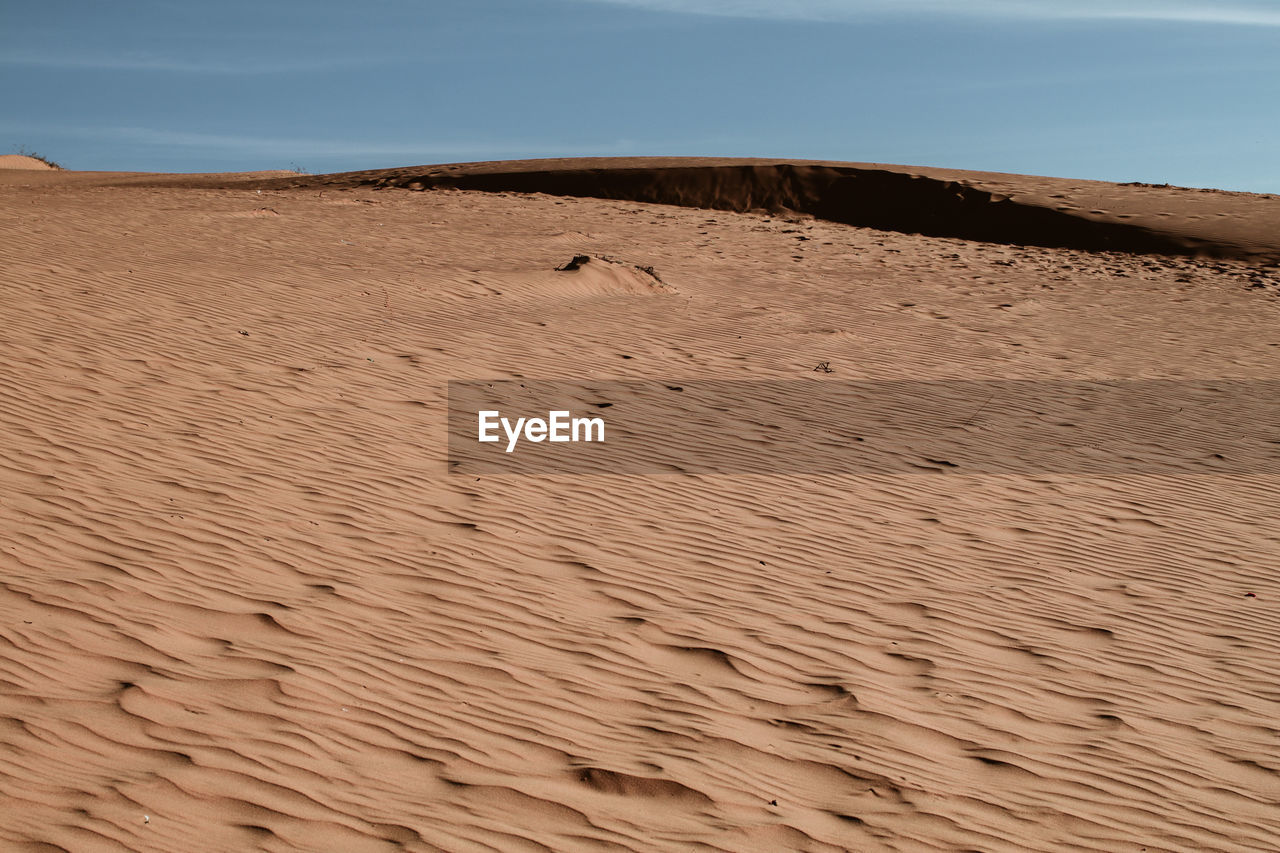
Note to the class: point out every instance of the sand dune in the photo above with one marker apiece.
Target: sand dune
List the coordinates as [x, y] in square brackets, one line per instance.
[21, 161]
[1015, 209]
[244, 606]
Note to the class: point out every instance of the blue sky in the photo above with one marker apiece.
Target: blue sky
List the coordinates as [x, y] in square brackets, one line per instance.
[1174, 91]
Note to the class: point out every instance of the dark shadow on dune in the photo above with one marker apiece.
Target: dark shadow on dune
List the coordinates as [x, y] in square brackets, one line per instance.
[890, 198]
[872, 198]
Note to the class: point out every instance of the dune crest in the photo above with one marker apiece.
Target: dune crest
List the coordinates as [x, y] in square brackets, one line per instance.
[996, 208]
[23, 162]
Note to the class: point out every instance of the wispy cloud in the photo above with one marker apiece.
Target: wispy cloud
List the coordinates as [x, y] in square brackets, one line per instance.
[1234, 12]
[299, 148]
[302, 147]
[172, 64]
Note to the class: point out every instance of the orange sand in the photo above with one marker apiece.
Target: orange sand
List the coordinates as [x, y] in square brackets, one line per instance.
[21, 161]
[243, 605]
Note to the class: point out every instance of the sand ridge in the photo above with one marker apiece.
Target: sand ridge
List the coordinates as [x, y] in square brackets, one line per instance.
[243, 605]
[1003, 208]
[25, 163]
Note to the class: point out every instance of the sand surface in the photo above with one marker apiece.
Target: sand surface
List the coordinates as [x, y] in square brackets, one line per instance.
[23, 162]
[243, 605]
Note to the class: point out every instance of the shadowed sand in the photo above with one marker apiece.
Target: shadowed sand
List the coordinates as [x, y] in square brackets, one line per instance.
[1016, 209]
[244, 606]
